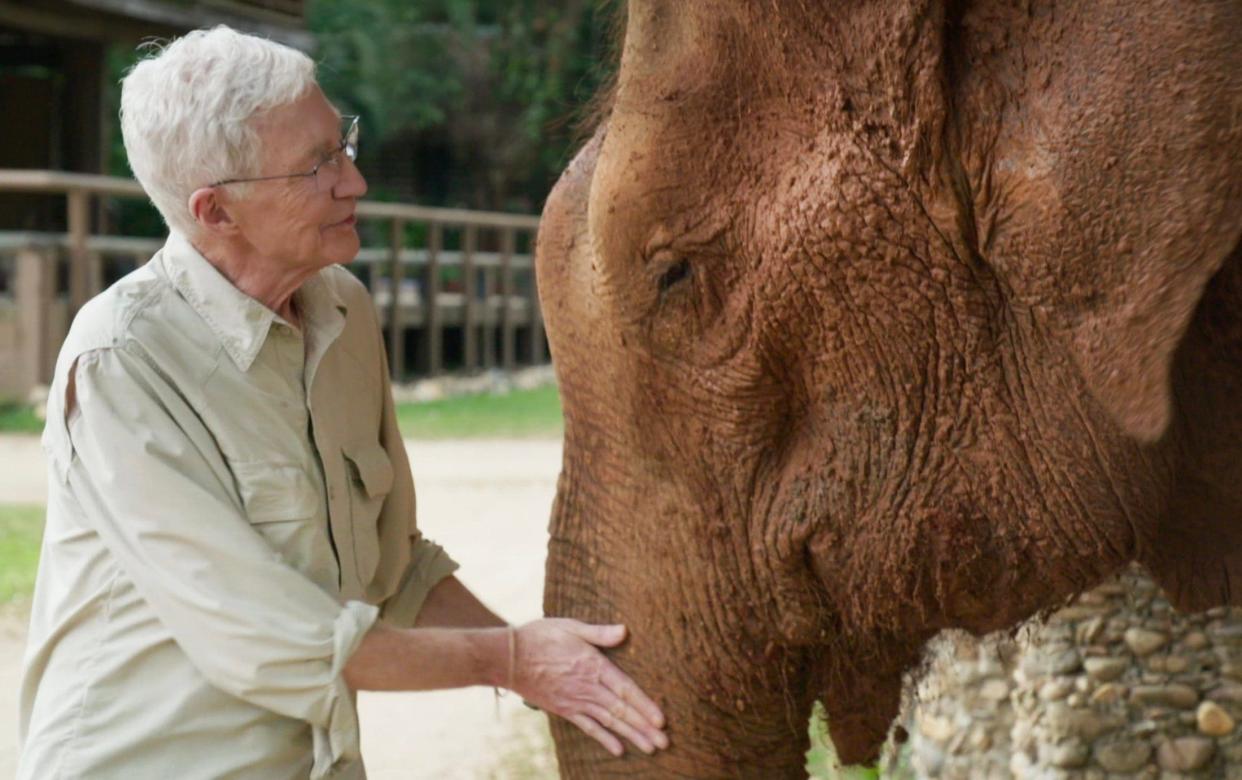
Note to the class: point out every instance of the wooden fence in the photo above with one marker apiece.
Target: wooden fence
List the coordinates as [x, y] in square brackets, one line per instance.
[479, 295]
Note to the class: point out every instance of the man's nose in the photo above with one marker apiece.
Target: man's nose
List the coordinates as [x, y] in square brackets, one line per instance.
[352, 183]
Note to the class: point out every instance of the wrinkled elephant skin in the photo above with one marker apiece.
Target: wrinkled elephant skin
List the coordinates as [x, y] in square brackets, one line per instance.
[875, 318]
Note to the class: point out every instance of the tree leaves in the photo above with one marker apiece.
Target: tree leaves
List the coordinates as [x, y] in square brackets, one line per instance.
[499, 82]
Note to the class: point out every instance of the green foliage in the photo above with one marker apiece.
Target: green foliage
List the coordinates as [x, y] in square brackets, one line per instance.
[517, 414]
[550, 61]
[468, 103]
[21, 532]
[391, 61]
[19, 418]
[477, 100]
[821, 759]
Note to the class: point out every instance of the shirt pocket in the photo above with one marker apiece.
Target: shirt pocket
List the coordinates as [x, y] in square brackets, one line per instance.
[275, 492]
[281, 502]
[370, 481]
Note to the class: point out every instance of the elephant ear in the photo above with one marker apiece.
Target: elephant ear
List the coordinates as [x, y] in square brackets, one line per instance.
[1123, 326]
[1112, 192]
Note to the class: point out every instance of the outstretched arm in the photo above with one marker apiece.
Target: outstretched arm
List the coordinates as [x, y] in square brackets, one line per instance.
[554, 664]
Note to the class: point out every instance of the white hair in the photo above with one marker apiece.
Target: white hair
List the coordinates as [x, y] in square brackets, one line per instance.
[187, 111]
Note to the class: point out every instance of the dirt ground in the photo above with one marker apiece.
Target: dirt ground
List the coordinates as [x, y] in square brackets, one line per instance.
[487, 502]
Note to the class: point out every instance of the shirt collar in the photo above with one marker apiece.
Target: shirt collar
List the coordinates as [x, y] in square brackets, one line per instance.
[240, 322]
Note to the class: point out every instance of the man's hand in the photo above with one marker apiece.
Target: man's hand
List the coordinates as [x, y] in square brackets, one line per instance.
[556, 665]
[559, 669]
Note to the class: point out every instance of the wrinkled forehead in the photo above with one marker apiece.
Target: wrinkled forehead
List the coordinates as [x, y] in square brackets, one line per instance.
[298, 133]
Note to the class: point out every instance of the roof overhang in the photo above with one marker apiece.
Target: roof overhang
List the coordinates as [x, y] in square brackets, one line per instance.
[136, 19]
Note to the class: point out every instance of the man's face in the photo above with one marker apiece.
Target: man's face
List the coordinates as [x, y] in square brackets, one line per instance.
[304, 222]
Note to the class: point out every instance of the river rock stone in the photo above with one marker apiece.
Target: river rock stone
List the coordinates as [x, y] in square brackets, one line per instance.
[1143, 642]
[1105, 669]
[1229, 693]
[1126, 755]
[1056, 689]
[936, 729]
[1090, 632]
[1069, 754]
[1185, 754]
[979, 741]
[1081, 612]
[1085, 723]
[1213, 720]
[1111, 590]
[1065, 661]
[1172, 695]
[1229, 632]
[1108, 693]
[994, 690]
[1176, 664]
[1195, 640]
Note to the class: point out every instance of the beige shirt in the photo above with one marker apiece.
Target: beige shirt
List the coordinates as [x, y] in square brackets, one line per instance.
[230, 506]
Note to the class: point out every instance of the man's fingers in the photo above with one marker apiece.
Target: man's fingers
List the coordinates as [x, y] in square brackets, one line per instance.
[629, 692]
[615, 721]
[597, 732]
[600, 636]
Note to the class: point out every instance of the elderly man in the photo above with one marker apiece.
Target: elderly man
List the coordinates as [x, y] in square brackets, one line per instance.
[230, 549]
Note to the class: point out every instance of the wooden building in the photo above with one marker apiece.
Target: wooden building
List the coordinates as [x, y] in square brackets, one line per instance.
[53, 74]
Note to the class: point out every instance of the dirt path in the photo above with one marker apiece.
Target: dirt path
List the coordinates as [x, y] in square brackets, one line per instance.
[487, 502]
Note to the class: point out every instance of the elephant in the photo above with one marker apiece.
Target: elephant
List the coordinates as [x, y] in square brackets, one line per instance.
[875, 318]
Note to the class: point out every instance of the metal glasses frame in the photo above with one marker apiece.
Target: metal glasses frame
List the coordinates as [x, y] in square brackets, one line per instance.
[349, 145]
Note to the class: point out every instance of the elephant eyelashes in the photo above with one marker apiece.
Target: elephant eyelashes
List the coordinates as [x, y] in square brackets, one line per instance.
[678, 271]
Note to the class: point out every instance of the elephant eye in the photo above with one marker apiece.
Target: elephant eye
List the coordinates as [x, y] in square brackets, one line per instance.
[678, 271]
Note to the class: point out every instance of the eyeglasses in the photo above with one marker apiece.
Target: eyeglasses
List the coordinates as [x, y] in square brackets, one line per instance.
[328, 172]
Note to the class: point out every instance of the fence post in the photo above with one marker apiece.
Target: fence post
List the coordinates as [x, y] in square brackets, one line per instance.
[489, 318]
[470, 319]
[432, 336]
[85, 267]
[35, 289]
[507, 346]
[535, 332]
[396, 323]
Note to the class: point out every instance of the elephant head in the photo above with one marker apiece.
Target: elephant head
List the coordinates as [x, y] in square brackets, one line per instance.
[876, 318]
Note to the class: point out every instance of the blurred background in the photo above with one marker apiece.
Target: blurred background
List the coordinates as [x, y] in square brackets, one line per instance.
[469, 110]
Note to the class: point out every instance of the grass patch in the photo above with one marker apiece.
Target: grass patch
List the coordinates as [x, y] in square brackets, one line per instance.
[18, 418]
[822, 763]
[21, 531]
[519, 414]
[821, 759]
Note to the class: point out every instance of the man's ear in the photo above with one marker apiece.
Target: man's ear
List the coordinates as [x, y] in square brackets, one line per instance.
[210, 211]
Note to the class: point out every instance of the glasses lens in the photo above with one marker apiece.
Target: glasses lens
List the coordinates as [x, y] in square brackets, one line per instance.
[351, 138]
[329, 171]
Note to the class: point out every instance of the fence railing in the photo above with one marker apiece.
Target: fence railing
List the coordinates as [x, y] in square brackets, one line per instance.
[454, 289]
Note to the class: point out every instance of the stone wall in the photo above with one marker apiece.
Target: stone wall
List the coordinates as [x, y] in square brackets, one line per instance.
[1115, 685]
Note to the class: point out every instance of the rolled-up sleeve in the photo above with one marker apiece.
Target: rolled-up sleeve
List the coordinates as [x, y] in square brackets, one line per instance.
[155, 488]
[429, 564]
